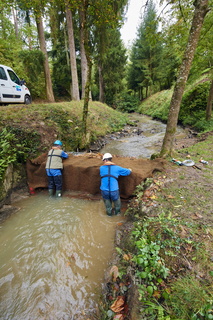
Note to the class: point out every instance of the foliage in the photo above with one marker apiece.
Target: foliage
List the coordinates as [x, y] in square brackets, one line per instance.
[189, 300]
[127, 102]
[32, 72]
[194, 102]
[7, 153]
[193, 106]
[149, 265]
[203, 59]
[157, 105]
[165, 234]
[16, 146]
[114, 62]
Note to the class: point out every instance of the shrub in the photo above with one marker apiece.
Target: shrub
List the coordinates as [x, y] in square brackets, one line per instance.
[127, 103]
[193, 105]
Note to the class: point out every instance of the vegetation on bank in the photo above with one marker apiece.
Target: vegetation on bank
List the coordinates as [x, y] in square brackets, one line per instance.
[192, 110]
[165, 265]
[27, 131]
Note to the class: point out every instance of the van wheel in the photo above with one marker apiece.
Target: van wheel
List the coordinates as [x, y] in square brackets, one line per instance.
[27, 99]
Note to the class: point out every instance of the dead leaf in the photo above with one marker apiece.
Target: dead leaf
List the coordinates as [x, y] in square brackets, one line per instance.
[183, 231]
[156, 294]
[153, 197]
[114, 272]
[198, 215]
[151, 204]
[170, 196]
[118, 305]
[147, 193]
[127, 257]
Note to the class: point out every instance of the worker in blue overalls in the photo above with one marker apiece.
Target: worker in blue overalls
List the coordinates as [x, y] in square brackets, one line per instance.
[109, 173]
[54, 168]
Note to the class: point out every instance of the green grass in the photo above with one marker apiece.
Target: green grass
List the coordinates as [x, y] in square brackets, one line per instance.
[64, 120]
[192, 110]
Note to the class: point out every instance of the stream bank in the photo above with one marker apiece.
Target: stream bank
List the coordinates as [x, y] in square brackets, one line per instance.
[176, 209]
[180, 177]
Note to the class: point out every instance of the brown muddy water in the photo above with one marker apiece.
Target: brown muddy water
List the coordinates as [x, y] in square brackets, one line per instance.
[54, 253]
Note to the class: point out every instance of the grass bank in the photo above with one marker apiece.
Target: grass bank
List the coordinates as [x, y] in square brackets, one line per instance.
[193, 106]
[164, 266]
[27, 131]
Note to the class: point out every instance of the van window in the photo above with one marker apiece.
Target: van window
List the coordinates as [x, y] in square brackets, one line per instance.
[3, 75]
[13, 77]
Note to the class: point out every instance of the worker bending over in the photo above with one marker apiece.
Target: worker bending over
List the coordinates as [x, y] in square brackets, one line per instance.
[109, 173]
[54, 167]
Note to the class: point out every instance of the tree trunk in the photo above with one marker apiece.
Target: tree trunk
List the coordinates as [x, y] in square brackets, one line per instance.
[101, 83]
[73, 64]
[48, 81]
[87, 50]
[201, 8]
[84, 65]
[15, 22]
[209, 103]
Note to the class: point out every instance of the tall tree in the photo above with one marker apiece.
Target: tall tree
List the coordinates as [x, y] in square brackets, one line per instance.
[73, 64]
[201, 9]
[37, 7]
[97, 13]
[113, 67]
[84, 63]
[145, 52]
[48, 81]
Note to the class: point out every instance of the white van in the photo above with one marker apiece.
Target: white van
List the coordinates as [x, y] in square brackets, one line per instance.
[12, 89]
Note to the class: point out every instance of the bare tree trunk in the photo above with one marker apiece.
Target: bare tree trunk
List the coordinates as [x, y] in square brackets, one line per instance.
[209, 103]
[67, 56]
[86, 47]
[84, 65]
[73, 64]
[48, 81]
[201, 8]
[15, 22]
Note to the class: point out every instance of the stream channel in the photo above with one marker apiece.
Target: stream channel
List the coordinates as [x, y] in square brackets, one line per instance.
[54, 252]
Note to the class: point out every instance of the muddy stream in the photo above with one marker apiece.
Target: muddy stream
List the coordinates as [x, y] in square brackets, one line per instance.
[54, 252]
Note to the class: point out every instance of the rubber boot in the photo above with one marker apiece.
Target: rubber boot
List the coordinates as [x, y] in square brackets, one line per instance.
[51, 192]
[117, 205]
[58, 193]
[108, 205]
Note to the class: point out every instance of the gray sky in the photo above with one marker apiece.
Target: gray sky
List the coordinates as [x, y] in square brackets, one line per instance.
[133, 15]
[129, 30]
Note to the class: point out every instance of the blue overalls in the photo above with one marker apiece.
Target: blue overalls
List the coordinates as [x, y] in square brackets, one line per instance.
[109, 186]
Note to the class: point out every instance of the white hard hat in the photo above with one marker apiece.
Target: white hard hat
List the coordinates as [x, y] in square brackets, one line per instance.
[107, 156]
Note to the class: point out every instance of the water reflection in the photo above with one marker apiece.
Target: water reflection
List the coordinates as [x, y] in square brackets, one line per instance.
[53, 257]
